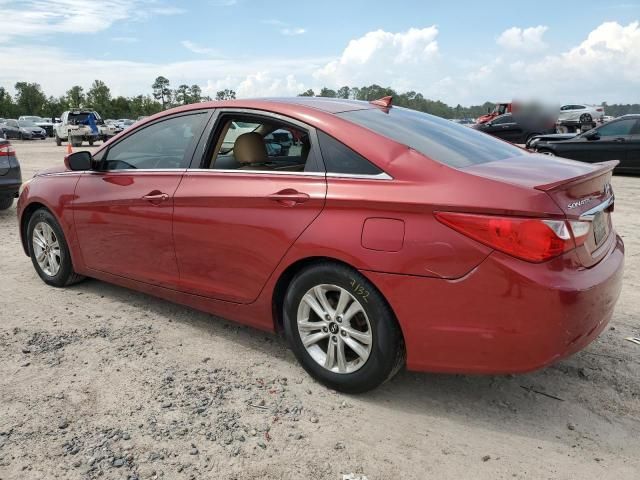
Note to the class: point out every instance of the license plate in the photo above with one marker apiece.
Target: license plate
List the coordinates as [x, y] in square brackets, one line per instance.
[600, 227]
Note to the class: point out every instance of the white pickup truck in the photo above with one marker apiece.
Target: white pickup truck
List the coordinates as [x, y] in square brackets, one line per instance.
[80, 125]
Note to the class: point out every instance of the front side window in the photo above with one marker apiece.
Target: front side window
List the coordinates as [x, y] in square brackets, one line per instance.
[247, 142]
[503, 119]
[437, 138]
[616, 129]
[162, 145]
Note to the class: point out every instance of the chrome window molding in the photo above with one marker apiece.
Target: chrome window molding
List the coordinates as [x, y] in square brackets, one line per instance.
[589, 215]
[379, 176]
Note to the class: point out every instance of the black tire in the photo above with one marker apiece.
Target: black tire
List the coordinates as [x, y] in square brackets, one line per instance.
[5, 203]
[586, 118]
[76, 143]
[546, 151]
[58, 140]
[387, 347]
[65, 275]
[20, 136]
[91, 142]
[5, 136]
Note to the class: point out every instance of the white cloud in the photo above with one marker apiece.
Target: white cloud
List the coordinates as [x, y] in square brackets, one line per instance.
[124, 39]
[199, 49]
[285, 28]
[523, 39]
[383, 57]
[603, 67]
[290, 32]
[42, 17]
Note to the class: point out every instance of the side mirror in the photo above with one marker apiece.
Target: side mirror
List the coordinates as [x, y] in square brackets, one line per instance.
[592, 135]
[78, 161]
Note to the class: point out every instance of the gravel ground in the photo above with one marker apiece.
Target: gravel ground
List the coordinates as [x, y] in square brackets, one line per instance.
[101, 382]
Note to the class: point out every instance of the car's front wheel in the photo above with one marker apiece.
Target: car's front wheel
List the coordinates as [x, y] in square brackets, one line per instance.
[341, 329]
[49, 250]
[546, 151]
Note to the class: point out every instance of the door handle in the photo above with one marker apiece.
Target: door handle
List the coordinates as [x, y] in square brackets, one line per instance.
[156, 196]
[619, 139]
[289, 197]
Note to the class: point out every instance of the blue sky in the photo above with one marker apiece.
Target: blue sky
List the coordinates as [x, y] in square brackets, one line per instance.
[457, 51]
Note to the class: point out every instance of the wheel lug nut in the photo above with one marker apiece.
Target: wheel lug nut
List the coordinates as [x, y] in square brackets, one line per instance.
[327, 317]
[339, 319]
[325, 329]
[334, 338]
[343, 333]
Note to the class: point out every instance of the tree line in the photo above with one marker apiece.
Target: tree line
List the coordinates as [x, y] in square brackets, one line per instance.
[417, 101]
[30, 99]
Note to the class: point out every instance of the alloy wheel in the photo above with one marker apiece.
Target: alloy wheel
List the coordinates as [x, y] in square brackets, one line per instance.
[46, 249]
[334, 328]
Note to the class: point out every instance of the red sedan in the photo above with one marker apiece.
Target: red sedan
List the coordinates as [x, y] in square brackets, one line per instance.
[382, 236]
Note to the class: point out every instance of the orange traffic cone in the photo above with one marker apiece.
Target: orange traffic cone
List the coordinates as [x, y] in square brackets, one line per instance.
[69, 149]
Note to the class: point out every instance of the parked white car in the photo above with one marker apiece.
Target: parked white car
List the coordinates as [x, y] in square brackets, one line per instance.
[581, 113]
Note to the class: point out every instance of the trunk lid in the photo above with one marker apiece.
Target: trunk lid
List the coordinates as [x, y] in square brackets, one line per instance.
[581, 190]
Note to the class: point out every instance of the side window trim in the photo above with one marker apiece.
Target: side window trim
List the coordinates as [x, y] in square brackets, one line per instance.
[189, 153]
[209, 136]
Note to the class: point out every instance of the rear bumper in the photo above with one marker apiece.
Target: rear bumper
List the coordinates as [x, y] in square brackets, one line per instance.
[505, 316]
[9, 187]
[11, 180]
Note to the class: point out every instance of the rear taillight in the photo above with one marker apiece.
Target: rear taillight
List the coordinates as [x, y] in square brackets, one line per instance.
[530, 239]
[7, 151]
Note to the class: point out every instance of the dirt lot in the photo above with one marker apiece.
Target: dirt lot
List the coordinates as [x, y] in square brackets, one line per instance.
[98, 381]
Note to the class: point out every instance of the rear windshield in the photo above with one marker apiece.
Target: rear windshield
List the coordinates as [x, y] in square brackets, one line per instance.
[442, 140]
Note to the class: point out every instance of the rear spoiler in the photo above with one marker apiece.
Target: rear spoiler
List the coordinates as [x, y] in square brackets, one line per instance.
[605, 167]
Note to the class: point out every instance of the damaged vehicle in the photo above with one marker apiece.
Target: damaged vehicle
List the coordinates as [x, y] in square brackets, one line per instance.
[79, 125]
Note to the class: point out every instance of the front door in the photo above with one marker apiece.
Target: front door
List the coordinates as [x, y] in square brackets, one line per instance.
[610, 143]
[123, 211]
[237, 214]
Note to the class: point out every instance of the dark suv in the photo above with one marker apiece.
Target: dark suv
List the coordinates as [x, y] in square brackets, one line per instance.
[10, 177]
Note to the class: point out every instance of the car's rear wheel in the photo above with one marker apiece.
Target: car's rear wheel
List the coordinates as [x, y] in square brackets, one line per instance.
[341, 329]
[91, 142]
[5, 203]
[585, 118]
[49, 250]
[58, 140]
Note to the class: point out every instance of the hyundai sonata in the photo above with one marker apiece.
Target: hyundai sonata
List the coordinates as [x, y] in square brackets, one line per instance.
[379, 237]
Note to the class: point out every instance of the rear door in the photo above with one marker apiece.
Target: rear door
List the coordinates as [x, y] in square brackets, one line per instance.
[237, 213]
[612, 141]
[123, 212]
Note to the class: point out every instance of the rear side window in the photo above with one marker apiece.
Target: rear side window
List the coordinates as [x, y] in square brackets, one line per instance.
[338, 158]
[439, 139]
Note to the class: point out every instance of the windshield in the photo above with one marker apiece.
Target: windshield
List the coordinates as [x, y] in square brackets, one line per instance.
[26, 124]
[444, 141]
[31, 119]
